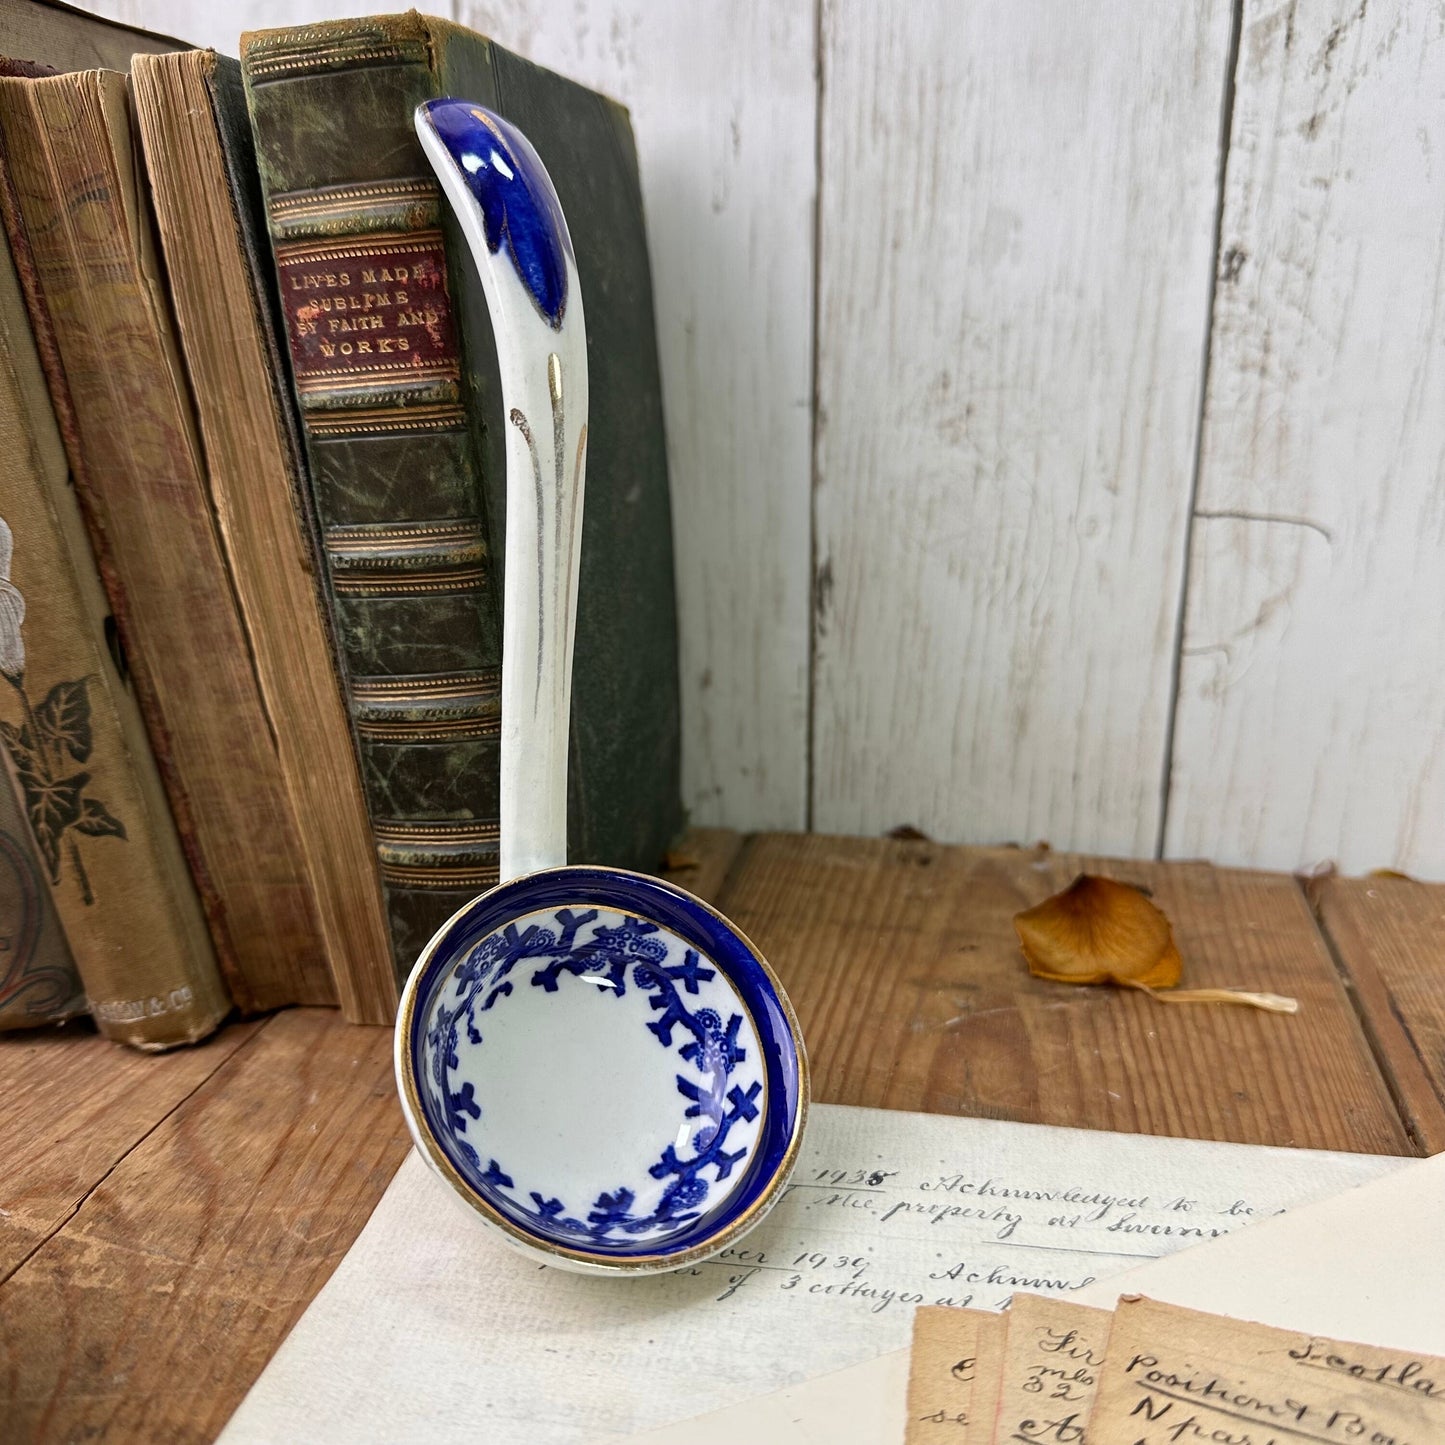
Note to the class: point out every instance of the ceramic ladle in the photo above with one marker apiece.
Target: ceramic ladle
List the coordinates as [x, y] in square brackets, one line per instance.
[598, 1063]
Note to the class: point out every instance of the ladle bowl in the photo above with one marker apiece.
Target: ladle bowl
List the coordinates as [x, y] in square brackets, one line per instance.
[604, 1069]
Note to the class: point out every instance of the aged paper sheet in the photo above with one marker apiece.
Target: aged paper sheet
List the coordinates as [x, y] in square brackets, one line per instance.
[954, 1367]
[1178, 1377]
[429, 1329]
[1053, 1355]
[1366, 1263]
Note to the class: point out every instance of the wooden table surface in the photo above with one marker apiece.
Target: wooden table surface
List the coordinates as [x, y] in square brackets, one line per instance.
[165, 1220]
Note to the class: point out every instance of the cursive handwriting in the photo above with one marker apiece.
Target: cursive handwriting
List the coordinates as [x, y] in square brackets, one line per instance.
[1402, 1374]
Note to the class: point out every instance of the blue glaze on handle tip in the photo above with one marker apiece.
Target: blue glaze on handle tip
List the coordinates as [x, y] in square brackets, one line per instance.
[518, 203]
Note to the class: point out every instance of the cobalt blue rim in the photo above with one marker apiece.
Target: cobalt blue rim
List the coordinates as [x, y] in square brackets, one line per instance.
[652, 899]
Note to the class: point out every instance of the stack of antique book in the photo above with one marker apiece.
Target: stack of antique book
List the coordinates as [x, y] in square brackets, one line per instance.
[251, 497]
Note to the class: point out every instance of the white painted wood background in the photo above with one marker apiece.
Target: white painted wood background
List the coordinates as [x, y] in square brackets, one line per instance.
[1055, 408]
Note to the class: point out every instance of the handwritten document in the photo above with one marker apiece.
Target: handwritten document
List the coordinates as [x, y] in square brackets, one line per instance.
[1053, 1356]
[955, 1364]
[1178, 1377]
[1366, 1263]
[429, 1326]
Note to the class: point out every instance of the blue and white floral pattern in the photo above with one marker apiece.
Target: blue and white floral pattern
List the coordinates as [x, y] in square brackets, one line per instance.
[694, 1014]
[603, 1069]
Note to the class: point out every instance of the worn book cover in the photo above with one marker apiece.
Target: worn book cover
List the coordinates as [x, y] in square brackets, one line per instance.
[39, 983]
[191, 116]
[79, 220]
[395, 372]
[63, 37]
[74, 740]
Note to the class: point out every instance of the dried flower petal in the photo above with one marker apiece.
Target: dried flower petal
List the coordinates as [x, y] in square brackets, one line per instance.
[1099, 931]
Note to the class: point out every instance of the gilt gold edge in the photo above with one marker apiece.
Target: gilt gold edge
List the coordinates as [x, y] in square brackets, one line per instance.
[364, 538]
[421, 878]
[357, 248]
[462, 587]
[259, 69]
[430, 832]
[481, 713]
[427, 562]
[326, 197]
[418, 420]
[425, 733]
[484, 679]
[602, 1263]
[403, 587]
[357, 378]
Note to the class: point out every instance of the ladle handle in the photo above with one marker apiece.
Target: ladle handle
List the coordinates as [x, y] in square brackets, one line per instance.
[513, 223]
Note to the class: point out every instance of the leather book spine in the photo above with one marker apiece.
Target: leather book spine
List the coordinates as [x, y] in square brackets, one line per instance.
[74, 740]
[98, 302]
[367, 294]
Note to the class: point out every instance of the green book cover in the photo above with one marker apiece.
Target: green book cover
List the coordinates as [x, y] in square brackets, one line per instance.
[395, 374]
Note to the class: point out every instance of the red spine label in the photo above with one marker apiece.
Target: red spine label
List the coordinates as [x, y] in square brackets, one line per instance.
[368, 312]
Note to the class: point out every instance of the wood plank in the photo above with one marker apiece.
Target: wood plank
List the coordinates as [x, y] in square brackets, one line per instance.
[1388, 935]
[1017, 215]
[1312, 666]
[902, 962]
[723, 104]
[192, 1254]
[150, 1313]
[75, 1104]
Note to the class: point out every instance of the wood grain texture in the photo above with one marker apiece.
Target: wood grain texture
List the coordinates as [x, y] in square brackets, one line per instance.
[168, 1228]
[74, 1105]
[1388, 935]
[902, 962]
[1311, 685]
[1012, 261]
[149, 1314]
[1017, 216]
